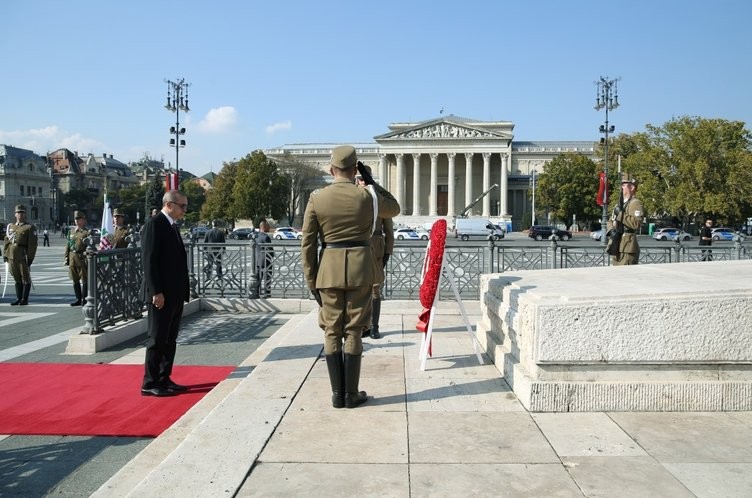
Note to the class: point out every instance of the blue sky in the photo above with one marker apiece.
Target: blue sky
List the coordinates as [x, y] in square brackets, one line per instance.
[89, 75]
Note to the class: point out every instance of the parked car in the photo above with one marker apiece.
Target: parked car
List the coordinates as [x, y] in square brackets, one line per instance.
[283, 233]
[596, 234]
[723, 233]
[406, 234]
[197, 233]
[241, 233]
[423, 233]
[464, 228]
[540, 232]
[671, 234]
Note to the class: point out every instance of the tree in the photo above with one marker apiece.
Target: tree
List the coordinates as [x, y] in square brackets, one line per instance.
[300, 177]
[693, 167]
[80, 199]
[568, 186]
[219, 198]
[259, 190]
[131, 201]
[196, 198]
[154, 193]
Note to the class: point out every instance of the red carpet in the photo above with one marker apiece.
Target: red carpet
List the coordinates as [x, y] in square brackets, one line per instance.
[94, 400]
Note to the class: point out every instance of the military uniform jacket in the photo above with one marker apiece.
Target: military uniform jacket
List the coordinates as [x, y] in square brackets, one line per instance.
[118, 238]
[75, 249]
[20, 242]
[342, 213]
[631, 219]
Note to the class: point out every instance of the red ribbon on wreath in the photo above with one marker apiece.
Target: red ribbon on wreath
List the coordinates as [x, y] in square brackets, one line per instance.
[431, 274]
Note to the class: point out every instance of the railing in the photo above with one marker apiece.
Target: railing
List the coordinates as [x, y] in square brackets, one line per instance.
[231, 270]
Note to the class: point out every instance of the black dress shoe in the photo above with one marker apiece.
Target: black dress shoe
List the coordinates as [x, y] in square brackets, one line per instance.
[169, 384]
[76, 303]
[156, 391]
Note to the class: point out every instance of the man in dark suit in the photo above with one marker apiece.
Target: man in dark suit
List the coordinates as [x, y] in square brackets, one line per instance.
[165, 288]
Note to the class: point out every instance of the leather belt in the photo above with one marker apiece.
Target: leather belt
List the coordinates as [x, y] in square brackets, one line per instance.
[629, 230]
[378, 232]
[346, 244]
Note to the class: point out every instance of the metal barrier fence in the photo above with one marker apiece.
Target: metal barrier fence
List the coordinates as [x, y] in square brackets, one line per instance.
[276, 270]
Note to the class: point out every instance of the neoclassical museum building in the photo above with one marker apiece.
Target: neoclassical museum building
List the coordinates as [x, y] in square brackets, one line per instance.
[437, 168]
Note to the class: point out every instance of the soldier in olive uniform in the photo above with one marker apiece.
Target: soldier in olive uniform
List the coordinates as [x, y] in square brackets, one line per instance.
[121, 231]
[382, 244]
[19, 249]
[75, 258]
[630, 216]
[342, 216]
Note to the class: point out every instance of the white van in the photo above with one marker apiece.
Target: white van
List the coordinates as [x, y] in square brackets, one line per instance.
[464, 228]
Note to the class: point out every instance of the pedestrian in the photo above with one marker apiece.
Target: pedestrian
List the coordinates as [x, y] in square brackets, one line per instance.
[19, 249]
[342, 216]
[46, 238]
[165, 289]
[382, 244]
[75, 258]
[629, 216]
[706, 239]
[264, 258]
[121, 231]
[213, 254]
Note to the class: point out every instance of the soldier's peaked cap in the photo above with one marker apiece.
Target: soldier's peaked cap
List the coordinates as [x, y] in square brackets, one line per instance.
[78, 214]
[118, 212]
[344, 157]
[627, 178]
[20, 208]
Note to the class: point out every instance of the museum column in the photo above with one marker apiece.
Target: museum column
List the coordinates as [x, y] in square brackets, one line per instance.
[416, 184]
[504, 184]
[450, 184]
[400, 180]
[469, 180]
[382, 171]
[434, 184]
[486, 183]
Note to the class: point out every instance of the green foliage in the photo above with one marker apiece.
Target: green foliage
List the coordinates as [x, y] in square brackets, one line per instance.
[131, 200]
[692, 167]
[219, 197]
[77, 199]
[567, 187]
[196, 199]
[154, 193]
[259, 190]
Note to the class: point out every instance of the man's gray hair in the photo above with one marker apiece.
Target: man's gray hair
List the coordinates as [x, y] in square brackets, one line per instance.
[172, 196]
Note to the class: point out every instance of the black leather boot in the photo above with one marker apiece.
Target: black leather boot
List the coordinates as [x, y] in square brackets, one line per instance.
[336, 367]
[353, 397]
[375, 314]
[25, 294]
[77, 290]
[19, 295]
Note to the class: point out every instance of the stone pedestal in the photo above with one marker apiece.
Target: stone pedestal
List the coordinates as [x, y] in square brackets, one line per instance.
[641, 338]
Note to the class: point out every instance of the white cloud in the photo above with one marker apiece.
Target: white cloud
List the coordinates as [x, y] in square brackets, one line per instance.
[49, 138]
[219, 120]
[274, 128]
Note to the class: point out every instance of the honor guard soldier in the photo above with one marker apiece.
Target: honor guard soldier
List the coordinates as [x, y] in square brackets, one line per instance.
[382, 244]
[121, 231]
[75, 258]
[342, 216]
[19, 249]
[628, 215]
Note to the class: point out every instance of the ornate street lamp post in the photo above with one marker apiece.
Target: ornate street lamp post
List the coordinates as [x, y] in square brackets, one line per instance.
[606, 97]
[177, 100]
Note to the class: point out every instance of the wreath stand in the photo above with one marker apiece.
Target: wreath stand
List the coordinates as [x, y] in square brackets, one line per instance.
[447, 272]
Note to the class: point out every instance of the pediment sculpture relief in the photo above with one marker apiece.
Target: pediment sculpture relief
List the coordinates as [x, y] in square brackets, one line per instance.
[445, 130]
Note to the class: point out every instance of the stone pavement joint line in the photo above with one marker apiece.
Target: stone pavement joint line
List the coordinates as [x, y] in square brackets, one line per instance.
[455, 429]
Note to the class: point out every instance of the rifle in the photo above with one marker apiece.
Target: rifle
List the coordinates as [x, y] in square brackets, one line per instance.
[618, 230]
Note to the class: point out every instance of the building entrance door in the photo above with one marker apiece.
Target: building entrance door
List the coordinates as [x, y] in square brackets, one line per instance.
[442, 199]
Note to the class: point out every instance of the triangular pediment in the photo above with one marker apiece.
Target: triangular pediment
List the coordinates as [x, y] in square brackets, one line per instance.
[444, 129]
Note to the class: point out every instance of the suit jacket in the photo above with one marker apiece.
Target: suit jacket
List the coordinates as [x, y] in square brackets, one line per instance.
[164, 260]
[342, 212]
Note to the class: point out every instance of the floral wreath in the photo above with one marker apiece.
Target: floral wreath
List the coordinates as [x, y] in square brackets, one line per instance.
[431, 273]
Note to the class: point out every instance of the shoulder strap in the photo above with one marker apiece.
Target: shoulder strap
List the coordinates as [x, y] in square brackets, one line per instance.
[375, 203]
